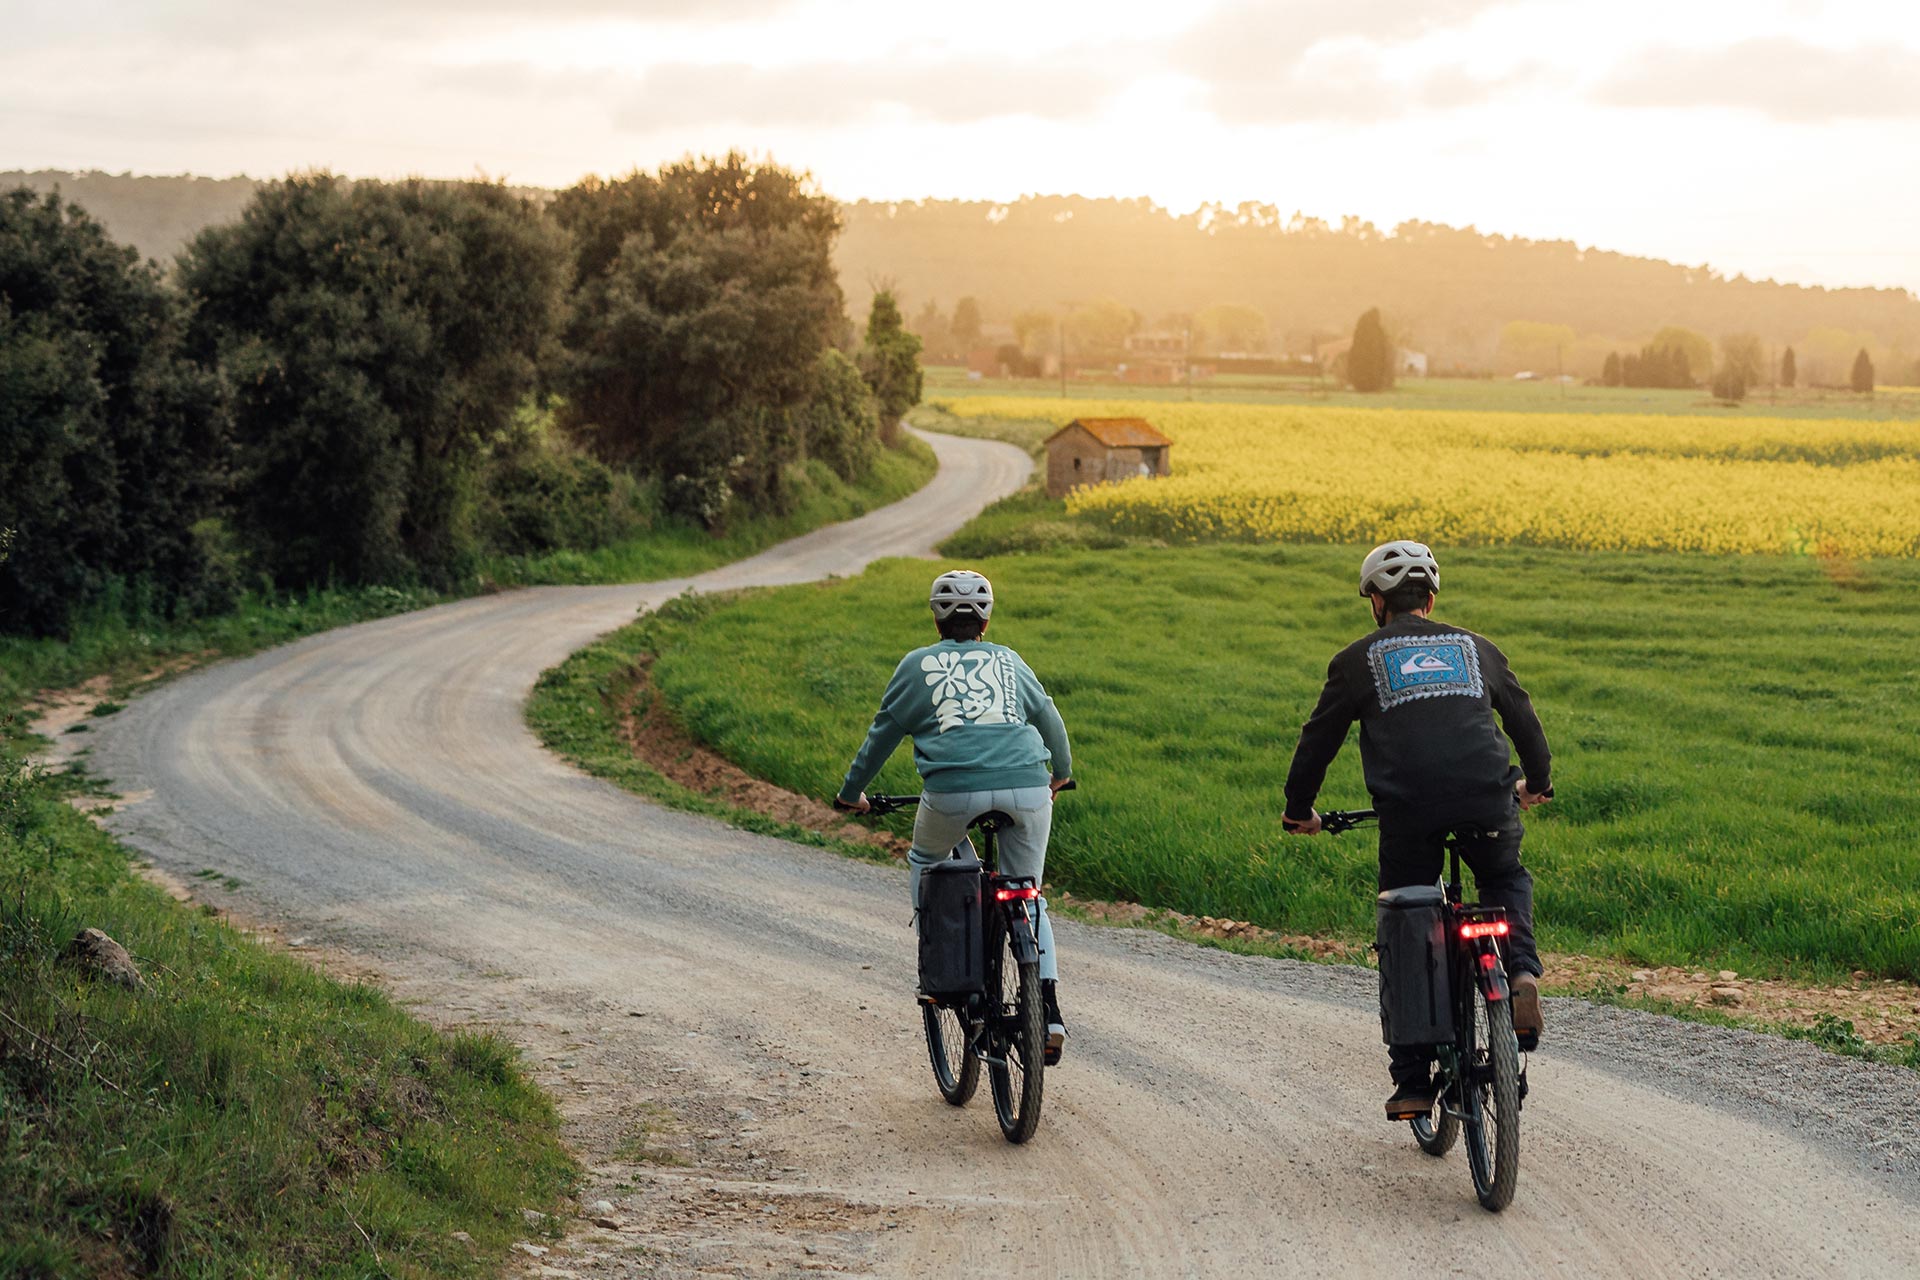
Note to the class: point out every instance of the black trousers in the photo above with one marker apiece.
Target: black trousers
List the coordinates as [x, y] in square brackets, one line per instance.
[1412, 851]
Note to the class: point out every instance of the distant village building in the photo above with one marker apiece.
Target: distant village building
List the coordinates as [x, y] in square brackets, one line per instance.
[1154, 357]
[1103, 450]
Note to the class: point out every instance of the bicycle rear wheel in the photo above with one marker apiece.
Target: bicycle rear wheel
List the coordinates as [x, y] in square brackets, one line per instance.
[1491, 1092]
[1018, 1039]
[955, 1070]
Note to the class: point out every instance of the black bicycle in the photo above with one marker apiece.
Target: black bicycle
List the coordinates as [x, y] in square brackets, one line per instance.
[1481, 1077]
[1004, 1026]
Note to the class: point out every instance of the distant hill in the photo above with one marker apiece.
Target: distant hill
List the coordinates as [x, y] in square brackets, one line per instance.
[1445, 290]
[157, 216]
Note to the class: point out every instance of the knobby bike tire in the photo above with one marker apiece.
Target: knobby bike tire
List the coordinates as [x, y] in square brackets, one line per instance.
[956, 1071]
[1020, 1042]
[1493, 1107]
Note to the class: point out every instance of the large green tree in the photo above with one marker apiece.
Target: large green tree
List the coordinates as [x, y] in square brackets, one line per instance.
[111, 440]
[1370, 359]
[377, 337]
[704, 297]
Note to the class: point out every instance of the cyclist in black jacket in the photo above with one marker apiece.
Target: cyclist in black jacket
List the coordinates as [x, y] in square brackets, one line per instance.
[1426, 696]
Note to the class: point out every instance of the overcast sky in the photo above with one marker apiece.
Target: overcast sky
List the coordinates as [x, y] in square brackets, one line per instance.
[1776, 137]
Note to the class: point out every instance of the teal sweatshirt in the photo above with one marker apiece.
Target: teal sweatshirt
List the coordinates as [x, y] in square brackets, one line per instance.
[978, 716]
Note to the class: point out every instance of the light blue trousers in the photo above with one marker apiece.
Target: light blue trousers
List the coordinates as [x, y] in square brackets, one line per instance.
[942, 823]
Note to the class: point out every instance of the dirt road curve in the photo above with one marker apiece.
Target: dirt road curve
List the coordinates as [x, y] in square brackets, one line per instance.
[727, 1019]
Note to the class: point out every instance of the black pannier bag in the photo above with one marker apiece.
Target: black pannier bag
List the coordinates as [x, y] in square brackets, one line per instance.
[1416, 999]
[951, 963]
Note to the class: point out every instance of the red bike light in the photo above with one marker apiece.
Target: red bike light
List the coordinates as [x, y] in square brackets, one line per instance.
[1016, 895]
[1483, 929]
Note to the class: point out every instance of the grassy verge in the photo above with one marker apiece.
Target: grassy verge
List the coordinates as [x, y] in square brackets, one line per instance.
[1730, 793]
[241, 1115]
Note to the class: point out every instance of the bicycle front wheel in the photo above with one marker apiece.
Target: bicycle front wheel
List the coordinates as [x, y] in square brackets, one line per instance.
[1018, 1041]
[1492, 1097]
[955, 1070]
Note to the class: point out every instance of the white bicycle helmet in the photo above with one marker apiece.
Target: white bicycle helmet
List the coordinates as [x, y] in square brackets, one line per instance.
[961, 589]
[1392, 563]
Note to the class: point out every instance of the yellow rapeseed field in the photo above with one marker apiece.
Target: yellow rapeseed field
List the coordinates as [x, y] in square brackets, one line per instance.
[1587, 481]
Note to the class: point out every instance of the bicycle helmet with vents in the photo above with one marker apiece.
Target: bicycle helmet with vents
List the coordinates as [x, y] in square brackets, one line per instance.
[960, 589]
[1392, 563]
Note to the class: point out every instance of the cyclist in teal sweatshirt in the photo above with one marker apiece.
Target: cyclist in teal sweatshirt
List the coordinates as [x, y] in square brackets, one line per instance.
[985, 736]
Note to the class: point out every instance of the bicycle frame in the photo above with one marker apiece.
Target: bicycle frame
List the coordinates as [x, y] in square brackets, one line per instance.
[1475, 935]
[1011, 900]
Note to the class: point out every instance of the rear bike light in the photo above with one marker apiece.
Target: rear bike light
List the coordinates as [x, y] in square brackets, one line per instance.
[1483, 929]
[1016, 895]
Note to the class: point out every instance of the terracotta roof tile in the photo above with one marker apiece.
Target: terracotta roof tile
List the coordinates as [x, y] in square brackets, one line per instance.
[1118, 433]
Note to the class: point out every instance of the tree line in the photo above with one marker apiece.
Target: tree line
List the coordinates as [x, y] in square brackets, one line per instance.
[1448, 289]
[366, 382]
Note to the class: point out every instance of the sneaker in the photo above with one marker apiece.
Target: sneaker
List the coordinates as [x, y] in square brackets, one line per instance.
[1056, 1025]
[1525, 992]
[1411, 1100]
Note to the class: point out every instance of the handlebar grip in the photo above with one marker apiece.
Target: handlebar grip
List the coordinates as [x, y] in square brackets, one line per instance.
[1069, 785]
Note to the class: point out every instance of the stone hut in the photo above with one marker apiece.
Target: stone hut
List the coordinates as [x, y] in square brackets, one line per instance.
[1103, 450]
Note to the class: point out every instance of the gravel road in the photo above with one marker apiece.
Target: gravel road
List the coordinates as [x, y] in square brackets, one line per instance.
[727, 1019]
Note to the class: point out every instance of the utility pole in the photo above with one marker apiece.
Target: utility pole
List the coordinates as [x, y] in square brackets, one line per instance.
[1560, 369]
[1189, 330]
[1060, 331]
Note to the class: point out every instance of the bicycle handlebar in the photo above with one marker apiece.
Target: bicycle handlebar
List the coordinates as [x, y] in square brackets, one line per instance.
[879, 806]
[1334, 821]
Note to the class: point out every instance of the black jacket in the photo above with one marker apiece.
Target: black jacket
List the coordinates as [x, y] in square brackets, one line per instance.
[1425, 695]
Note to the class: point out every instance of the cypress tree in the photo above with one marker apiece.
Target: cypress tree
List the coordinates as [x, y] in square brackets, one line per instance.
[1788, 371]
[1863, 372]
[1610, 371]
[1370, 360]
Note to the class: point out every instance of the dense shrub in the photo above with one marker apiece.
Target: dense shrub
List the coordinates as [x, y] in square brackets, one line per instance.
[537, 498]
[377, 338]
[110, 439]
[842, 426]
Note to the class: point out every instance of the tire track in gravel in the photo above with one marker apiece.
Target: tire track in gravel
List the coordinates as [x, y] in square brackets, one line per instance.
[743, 1005]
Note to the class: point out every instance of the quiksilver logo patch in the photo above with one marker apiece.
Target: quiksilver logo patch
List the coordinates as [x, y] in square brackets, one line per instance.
[1410, 667]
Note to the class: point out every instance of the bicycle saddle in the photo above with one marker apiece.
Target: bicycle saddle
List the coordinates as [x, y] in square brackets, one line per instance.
[991, 820]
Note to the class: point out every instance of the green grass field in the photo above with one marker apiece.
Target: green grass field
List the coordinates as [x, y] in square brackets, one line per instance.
[1734, 736]
[243, 1115]
[1503, 395]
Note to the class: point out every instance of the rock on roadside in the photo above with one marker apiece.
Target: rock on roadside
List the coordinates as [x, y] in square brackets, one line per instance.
[92, 949]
